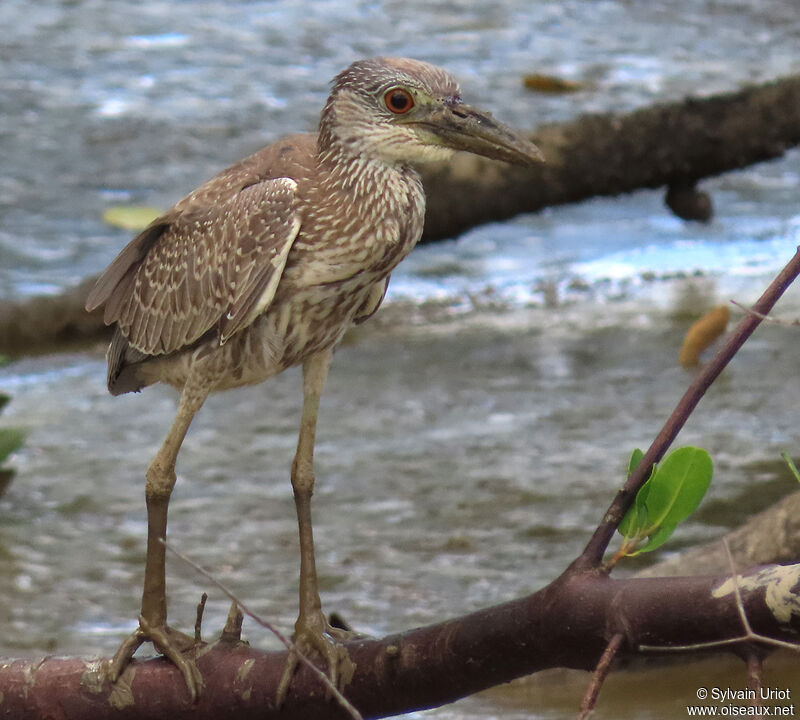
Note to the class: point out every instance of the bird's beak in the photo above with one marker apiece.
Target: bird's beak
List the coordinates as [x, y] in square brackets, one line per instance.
[461, 127]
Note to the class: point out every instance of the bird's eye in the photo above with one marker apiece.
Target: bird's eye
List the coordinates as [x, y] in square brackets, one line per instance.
[398, 101]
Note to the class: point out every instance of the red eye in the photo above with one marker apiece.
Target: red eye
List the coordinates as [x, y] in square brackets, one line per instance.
[398, 100]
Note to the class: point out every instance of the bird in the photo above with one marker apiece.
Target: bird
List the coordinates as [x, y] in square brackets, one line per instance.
[265, 266]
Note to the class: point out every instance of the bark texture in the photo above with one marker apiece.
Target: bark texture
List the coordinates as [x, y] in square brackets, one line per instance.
[672, 145]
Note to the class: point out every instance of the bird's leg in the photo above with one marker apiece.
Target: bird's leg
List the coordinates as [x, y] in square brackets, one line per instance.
[312, 630]
[153, 618]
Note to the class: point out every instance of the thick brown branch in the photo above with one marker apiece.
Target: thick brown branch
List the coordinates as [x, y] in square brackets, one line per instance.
[568, 624]
[663, 145]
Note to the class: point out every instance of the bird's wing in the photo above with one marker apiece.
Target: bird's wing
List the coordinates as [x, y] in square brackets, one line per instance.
[216, 264]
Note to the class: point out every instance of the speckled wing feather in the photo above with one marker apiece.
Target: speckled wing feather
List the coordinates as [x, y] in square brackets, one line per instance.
[208, 264]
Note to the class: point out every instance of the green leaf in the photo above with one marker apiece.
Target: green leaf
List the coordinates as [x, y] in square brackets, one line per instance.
[10, 440]
[636, 457]
[791, 465]
[656, 540]
[678, 486]
[130, 217]
[635, 520]
[672, 492]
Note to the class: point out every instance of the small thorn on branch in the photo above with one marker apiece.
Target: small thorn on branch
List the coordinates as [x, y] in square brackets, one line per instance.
[232, 632]
[198, 623]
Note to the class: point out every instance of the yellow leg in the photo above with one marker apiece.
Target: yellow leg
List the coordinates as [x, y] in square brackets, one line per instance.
[312, 630]
[160, 482]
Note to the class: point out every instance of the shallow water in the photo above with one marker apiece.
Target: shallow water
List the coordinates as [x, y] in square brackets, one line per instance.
[458, 465]
[471, 438]
[137, 102]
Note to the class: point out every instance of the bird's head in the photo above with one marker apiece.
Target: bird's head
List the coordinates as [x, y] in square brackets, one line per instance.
[405, 111]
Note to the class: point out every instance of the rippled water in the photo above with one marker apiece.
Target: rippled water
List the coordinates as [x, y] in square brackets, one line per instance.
[470, 439]
[138, 102]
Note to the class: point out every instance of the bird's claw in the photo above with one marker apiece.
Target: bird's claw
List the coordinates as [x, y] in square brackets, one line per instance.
[171, 643]
[316, 635]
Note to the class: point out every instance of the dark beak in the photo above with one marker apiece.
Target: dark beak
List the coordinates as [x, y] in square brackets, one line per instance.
[462, 127]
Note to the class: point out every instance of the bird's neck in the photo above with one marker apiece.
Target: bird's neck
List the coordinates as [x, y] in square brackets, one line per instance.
[379, 205]
[358, 174]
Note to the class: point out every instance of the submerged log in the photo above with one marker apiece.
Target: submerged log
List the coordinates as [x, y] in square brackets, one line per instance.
[49, 322]
[666, 145]
[672, 145]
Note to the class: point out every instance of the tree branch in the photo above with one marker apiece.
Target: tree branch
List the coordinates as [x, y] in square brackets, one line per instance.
[672, 144]
[567, 624]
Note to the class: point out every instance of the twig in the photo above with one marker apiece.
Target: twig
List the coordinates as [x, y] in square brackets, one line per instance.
[592, 555]
[198, 623]
[767, 318]
[288, 644]
[753, 658]
[749, 634]
[599, 676]
[737, 590]
[755, 679]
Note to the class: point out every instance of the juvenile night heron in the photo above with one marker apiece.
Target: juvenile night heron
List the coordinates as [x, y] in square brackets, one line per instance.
[266, 266]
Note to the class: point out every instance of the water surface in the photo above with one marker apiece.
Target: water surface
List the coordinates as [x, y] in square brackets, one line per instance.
[472, 438]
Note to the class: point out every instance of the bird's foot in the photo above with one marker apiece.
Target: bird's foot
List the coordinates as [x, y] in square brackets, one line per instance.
[314, 634]
[173, 644]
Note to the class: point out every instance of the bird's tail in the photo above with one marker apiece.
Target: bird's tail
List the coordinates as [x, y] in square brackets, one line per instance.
[124, 364]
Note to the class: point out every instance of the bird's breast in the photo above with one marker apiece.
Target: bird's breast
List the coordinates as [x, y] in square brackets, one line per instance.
[358, 236]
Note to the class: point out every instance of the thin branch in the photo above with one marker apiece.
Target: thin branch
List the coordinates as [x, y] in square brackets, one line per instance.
[599, 676]
[592, 556]
[693, 647]
[767, 318]
[755, 679]
[288, 644]
[735, 577]
[717, 644]
[198, 623]
[749, 634]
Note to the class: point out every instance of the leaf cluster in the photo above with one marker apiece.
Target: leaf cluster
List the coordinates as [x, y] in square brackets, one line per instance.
[672, 492]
